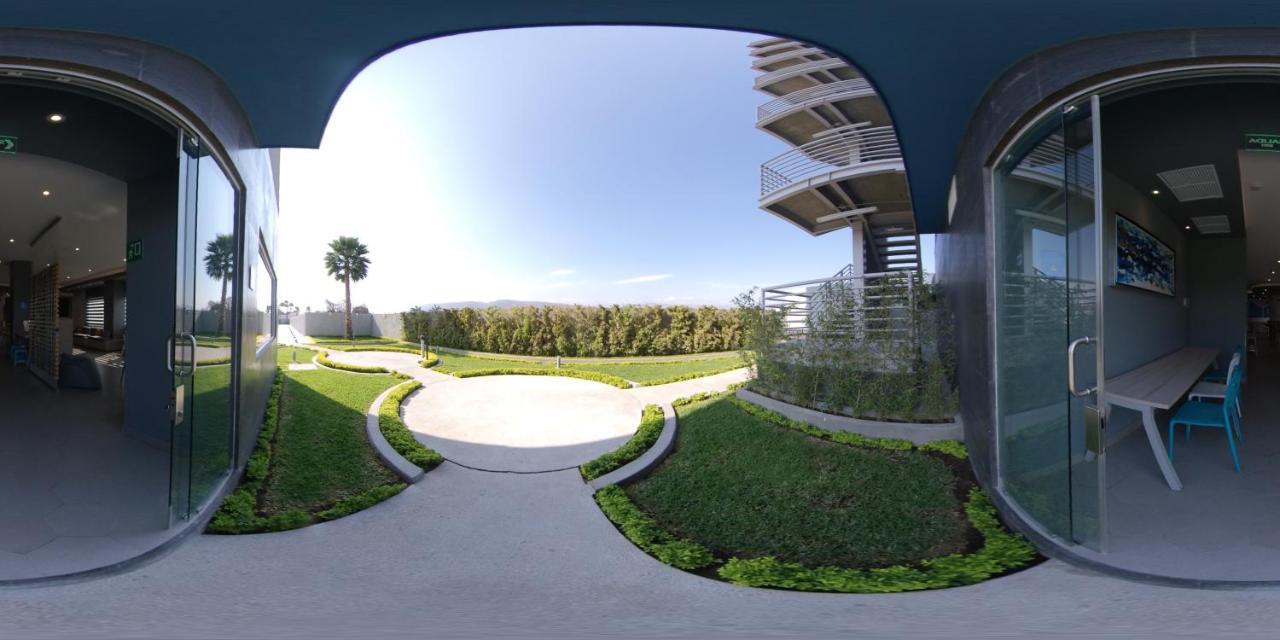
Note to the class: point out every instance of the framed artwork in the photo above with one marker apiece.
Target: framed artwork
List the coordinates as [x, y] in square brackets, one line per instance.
[1142, 261]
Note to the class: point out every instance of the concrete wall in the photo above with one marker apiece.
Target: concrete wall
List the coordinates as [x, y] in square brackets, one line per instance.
[1141, 325]
[387, 325]
[320, 323]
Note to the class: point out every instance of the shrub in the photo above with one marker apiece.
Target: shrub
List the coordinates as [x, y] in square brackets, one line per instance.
[348, 506]
[398, 435]
[651, 423]
[564, 373]
[324, 360]
[644, 532]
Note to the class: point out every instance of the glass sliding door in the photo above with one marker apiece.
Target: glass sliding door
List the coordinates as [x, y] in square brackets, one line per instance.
[1046, 240]
[204, 334]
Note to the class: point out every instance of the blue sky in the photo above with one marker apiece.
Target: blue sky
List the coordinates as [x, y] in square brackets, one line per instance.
[575, 164]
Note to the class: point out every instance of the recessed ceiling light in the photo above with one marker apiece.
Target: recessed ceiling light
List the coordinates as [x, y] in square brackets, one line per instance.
[56, 118]
[1155, 192]
[1188, 227]
[91, 271]
[11, 240]
[45, 193]
[77, 248]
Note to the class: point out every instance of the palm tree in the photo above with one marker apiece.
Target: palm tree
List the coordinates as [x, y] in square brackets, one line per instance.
[220, 263]
[347, 261]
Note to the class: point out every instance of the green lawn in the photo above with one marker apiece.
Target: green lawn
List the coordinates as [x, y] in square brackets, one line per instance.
[320, 454]
[209, 340]
[285, 355]
[746, 488]
[641, 372]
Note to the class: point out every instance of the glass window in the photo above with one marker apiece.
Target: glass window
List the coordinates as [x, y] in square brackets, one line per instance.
[263, 282]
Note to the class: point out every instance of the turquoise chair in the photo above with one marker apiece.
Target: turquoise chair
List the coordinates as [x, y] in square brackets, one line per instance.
[1211, 414]
[1218, 375]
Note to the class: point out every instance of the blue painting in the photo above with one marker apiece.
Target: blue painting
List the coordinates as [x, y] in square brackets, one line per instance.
[1142, 261]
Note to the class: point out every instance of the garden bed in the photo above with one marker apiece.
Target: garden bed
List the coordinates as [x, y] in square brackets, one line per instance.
[754, 498]
[312, 461]
[641, 373]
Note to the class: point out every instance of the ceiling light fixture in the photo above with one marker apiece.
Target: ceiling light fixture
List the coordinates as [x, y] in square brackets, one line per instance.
[56, 118]
[1188, 227]
[1155, 192]
[45, 193]
[77, 248]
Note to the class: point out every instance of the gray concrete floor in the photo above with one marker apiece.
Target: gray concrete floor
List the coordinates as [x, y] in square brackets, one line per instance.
[75, 492]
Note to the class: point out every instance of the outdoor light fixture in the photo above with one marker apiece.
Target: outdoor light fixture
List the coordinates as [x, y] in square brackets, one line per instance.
[56, 118]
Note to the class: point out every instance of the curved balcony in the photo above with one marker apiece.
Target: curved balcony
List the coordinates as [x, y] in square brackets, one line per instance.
[843, 152]
[771, 61]
[766, 79]
[823, 93]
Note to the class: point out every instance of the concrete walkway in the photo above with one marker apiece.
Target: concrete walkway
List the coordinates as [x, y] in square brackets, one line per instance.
[480, 554]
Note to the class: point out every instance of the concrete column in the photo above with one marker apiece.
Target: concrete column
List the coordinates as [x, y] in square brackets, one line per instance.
[859, 256]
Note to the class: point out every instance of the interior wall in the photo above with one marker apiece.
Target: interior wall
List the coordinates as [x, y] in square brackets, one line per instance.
[152, 218]
[1141, 326]
[1219, 290]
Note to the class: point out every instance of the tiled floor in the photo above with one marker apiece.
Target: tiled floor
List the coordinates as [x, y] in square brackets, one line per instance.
[75, 492]
[1223, 525]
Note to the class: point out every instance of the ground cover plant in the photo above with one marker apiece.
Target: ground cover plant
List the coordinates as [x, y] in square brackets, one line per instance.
[651, 421]
[576, 330]
[323, 359]
[563, 373]
[312, 461]
[800, 508]
[398, 435]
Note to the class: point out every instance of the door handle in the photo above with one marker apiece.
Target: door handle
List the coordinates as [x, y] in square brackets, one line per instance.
[168, 354]
[192, 339]
[1071, 367]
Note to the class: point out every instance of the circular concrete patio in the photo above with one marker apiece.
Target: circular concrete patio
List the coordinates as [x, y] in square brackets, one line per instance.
[521, 423]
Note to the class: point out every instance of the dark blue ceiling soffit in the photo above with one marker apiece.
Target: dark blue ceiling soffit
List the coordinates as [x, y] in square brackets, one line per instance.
[288, 61]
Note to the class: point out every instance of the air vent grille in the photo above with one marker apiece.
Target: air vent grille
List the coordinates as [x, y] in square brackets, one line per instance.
[1212, 225]
[1192, 183]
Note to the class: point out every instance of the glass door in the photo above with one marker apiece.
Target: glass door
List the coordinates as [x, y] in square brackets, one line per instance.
[1048, 329]
[182, 351]
[202, 346]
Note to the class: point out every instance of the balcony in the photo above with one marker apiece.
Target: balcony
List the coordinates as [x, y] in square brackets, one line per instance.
[843, 152]
[821, 94]
[765, 81]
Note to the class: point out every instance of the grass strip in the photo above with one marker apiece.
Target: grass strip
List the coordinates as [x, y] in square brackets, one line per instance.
[651, 421]
[564, 373]
[398, 435]
[644, 532]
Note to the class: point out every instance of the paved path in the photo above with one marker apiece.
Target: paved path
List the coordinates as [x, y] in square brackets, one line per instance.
[472, 553]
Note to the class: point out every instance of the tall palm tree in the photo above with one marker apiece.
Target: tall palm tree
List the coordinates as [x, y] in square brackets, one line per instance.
[220, 264]
[346, 261]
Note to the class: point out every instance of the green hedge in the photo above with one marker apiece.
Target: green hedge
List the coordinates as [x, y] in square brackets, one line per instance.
[651, 421]
[431, 361]
[238, 512]
[577, 330]
[323, 359]
[398, 435]
[373, 347]
[564, 373]
[1002, 551]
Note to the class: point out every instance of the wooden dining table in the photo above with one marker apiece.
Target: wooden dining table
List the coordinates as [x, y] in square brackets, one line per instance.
[1159, 384]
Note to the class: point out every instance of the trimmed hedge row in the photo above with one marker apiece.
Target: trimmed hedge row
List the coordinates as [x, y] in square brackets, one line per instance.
[398, 435]
[238, 512]
[651, 421]
[564, 373]
[324, 360]
[1002, 551]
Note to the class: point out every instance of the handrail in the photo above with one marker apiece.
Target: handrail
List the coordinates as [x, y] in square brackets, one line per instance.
[841, 148]
[830, 92]
[773, 58]
[847, 304]
[766, 79]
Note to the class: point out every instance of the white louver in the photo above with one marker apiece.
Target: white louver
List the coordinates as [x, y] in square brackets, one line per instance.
[1192, 183]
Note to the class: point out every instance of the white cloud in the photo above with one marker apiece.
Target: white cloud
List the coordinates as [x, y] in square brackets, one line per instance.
[559, 273]
[650, 278]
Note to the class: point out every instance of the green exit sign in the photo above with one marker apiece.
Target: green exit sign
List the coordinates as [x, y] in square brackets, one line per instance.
[133, 251]
[1262, 141]
[8, 144]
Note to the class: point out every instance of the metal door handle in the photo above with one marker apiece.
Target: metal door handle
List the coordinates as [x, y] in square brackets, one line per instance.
[1071, 367]
[191, 338]
[168, 354]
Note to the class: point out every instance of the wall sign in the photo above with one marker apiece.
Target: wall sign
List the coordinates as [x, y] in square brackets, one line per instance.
[133, 250]
[1262, 141]
[8, 144]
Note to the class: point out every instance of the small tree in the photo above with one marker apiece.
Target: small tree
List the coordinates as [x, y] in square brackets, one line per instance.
[347, 260]
[220, 263]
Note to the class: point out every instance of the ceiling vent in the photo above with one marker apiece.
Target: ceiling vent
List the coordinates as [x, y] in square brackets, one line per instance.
[1192, 183]
[1212, 225]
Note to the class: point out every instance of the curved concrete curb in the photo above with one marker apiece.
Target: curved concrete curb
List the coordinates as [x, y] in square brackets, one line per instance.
[916, 432]
[408, 471]
[649, 459]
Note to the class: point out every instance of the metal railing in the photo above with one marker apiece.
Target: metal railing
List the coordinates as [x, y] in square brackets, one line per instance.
[830, 92]
[841, 148]
[766, 79]
[872, 307]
